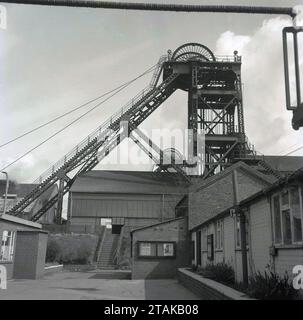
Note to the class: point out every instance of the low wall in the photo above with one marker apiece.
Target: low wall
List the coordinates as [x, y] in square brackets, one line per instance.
[208, 289]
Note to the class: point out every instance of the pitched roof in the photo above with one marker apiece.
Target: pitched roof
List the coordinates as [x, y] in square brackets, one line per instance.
[103, 181]
[284, 164]
[202, 183]
[297, 175]
[214, 195]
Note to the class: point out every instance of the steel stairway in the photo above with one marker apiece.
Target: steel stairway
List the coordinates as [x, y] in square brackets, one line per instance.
[87, 154]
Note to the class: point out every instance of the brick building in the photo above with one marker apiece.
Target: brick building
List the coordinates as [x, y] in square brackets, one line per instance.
[159, 250]
[273, 220]
[164, 225]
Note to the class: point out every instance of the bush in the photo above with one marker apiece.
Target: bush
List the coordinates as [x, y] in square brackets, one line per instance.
[267, 286]
[271, 286]
[220, 272]
[71, 249]
[53, 251]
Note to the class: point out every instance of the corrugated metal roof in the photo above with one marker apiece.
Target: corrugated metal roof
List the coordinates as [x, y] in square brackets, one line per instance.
[144, 182]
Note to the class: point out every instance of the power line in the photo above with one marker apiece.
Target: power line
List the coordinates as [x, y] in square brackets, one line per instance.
[287, 154]
[282, 152]
[63, 115]
[74, 121]
[159, 6]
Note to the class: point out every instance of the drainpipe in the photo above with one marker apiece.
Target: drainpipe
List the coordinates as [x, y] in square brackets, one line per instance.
[241, 214]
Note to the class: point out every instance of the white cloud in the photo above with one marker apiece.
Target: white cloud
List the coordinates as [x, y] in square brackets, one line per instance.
[268, 124]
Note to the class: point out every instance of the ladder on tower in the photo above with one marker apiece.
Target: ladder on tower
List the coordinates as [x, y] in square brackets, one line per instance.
[88, 153]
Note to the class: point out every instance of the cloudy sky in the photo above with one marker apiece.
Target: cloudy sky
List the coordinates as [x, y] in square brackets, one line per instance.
[54, 59]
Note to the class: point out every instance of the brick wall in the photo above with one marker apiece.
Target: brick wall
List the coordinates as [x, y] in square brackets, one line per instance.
[218, 195]
[208, 289]
[147, 268]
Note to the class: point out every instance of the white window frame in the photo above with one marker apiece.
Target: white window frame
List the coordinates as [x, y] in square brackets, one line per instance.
[11, 247]
[286, 207]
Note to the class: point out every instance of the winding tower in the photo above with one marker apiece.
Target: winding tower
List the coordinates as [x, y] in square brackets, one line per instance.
[215, 104]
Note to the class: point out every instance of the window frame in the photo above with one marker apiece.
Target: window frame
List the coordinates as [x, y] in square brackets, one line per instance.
[283, 208]
[219, 243]
[11, 247]
[156, 256]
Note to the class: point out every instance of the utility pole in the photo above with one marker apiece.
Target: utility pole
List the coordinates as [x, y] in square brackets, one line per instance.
[6, 192]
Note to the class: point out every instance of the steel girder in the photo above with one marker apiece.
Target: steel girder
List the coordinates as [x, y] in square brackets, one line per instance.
[95, 150]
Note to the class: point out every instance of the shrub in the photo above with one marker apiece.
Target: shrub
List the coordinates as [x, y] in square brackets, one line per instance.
[220, 272]
[71, 249]
[53, 251]
[271, 286]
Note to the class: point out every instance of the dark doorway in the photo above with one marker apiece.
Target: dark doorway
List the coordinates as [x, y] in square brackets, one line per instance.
[116, 228]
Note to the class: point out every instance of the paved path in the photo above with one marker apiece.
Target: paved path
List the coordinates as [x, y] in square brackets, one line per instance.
[86, 285]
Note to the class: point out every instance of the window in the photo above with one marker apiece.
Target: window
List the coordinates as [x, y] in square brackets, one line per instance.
[156, 249]
[7, 246]
[287, 216]
[219, 234]
[296, 213]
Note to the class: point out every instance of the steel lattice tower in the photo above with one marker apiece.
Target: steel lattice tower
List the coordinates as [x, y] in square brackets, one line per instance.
[214, 103]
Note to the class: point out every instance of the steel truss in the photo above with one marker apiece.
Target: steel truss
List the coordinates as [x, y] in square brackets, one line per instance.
[92, 150]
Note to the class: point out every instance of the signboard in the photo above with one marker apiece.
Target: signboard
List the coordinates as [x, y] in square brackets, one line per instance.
[168, 249]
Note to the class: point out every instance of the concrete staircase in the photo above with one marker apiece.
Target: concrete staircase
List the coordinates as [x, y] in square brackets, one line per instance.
[107, 250]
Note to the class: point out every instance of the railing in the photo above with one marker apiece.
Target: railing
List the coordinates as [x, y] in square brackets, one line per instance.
[158, 70]
[100, 132]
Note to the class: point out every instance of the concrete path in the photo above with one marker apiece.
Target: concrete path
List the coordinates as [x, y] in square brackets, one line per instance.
[86, 285]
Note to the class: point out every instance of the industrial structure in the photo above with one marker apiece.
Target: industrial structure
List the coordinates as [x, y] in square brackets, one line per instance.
[128, 200]
[214, 106]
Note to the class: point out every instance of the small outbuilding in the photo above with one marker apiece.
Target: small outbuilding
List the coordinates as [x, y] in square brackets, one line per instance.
[23, 247]
[160, 249]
